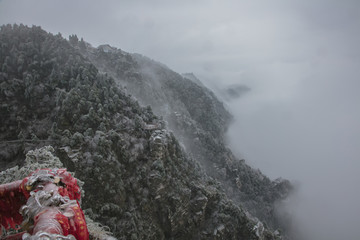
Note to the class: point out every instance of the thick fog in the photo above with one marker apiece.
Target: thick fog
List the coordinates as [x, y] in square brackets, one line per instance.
[301, 60]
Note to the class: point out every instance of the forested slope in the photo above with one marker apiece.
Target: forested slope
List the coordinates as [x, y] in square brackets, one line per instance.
[138, 180]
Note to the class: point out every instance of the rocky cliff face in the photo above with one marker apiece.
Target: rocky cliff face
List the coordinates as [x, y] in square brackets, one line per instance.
[138, 179]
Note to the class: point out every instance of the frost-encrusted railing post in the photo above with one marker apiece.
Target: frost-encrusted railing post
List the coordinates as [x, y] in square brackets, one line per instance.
[48, 201]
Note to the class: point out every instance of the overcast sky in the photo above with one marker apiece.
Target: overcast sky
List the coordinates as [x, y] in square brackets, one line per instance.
[300, 58]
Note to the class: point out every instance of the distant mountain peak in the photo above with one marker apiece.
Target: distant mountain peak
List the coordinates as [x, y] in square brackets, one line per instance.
[235, 91]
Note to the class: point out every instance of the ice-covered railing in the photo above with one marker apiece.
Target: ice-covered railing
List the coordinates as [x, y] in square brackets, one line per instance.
[44, 204]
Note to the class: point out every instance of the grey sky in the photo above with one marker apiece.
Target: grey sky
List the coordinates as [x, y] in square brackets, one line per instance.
[301, 59]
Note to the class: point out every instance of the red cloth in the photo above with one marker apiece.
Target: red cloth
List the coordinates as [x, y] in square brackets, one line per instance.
[11, 200]
[78, 225]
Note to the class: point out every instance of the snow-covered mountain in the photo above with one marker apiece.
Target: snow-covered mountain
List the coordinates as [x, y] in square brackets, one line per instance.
[148, 142]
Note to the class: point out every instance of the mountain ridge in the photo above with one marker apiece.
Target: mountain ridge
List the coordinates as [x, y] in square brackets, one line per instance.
[200, 121]
[53, 92]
